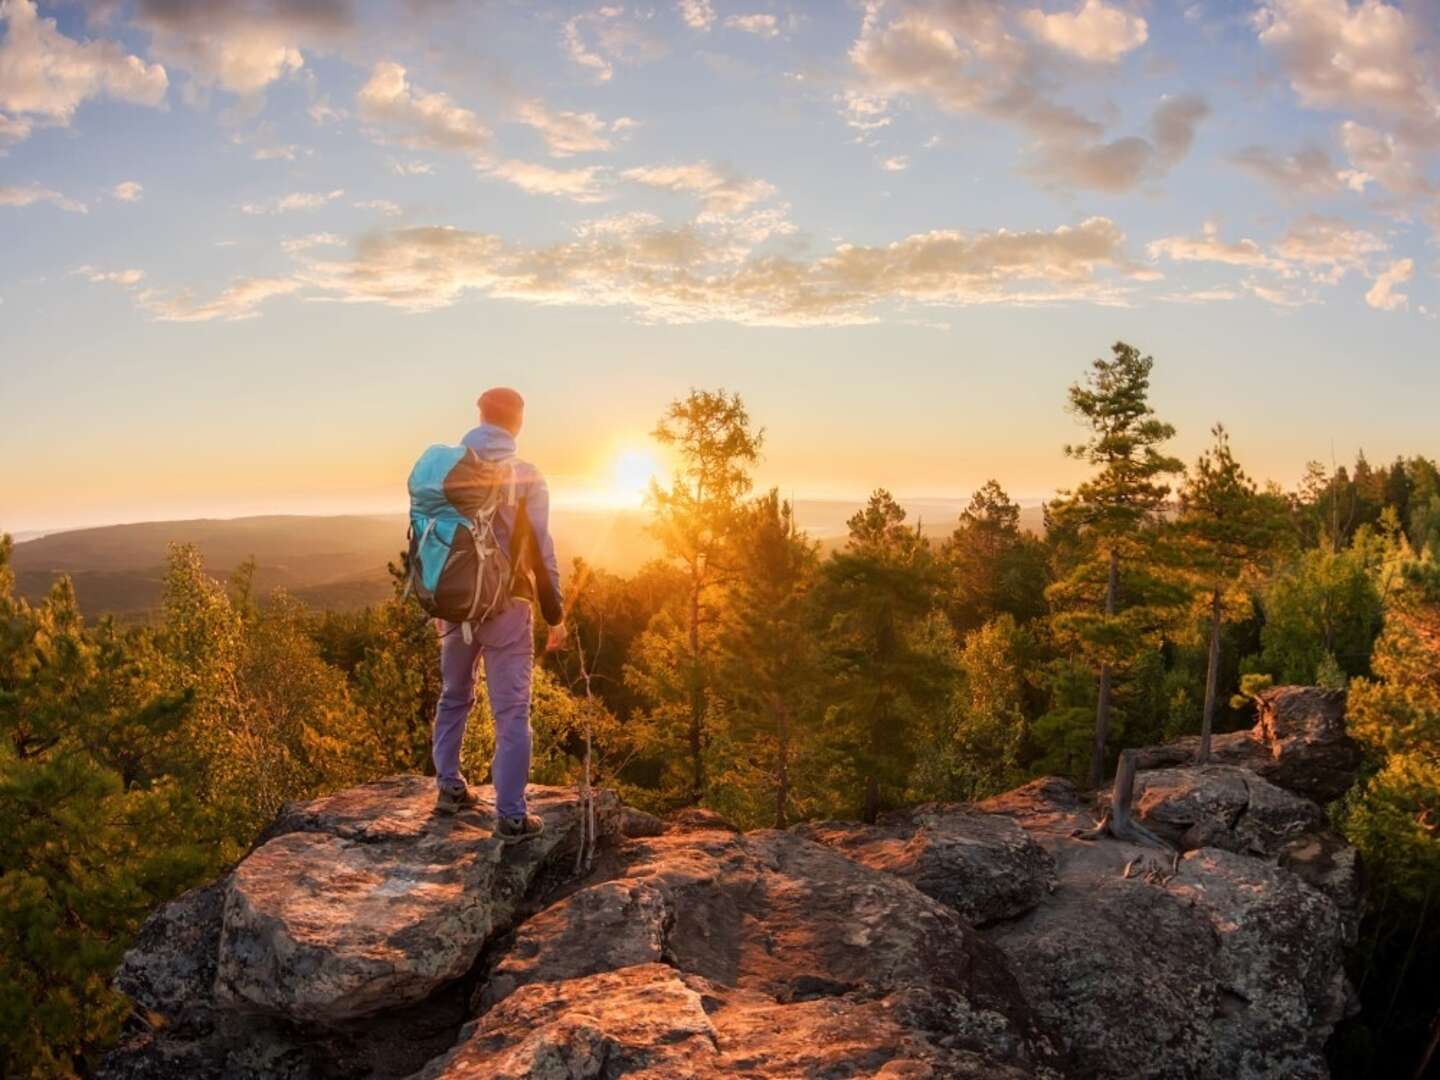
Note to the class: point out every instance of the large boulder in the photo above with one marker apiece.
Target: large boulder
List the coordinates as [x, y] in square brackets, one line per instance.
[984, 866]
[1222, 806]
[806, 963]
[1216, 965]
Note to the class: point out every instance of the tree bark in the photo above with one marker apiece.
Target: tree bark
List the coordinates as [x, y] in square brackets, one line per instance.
[1430, 1049]
[1212, 679]
[782, 768]
[872, 801]
[697, 705]
[1102, 701]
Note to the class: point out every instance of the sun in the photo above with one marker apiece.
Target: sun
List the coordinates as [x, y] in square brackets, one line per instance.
[630, 476]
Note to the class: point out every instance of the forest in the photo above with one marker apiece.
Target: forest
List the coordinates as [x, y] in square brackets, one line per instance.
[747, 673]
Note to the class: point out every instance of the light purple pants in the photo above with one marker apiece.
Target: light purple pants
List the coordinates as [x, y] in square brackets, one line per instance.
[508, 646]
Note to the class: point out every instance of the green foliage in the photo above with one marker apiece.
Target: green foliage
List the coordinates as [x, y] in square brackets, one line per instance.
[993, 566]
[99, 822]
[886, 672]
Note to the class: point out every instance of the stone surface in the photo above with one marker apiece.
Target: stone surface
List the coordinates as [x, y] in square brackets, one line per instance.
[804, 961]
[370, 899]
[1215, 965]
[984, 866]
[1222, 806]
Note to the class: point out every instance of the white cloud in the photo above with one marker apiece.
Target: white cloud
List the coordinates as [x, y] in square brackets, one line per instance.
[1328, 246]
[241, 45]
[1383, 294]
[865, 112]
[1210, 248]
[581, 185]
[34, 193]
[698, 14]
[898, 163]
[565, 133]
[1097, 32]
[276, 152]
[45, 76]
[968, 58]
[1392, 162]
[383, 206]
[295, 244]
[127, 191]
[416, 117]
[1308, 171]
[410, 168]
[598, 40]
[761, 25]
[240, 301]
[719, 190]
[322, 112]
[124, 278]
[296, 200]
[679, 274]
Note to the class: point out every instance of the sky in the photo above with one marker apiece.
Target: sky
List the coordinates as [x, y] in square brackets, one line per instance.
[256, 254]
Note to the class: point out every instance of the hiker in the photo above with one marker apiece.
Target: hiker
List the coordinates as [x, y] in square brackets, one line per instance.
[505, 639]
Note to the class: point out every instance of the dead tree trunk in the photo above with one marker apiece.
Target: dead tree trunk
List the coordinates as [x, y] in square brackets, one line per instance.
[1212, 679]
[1118, 821]
[1102, 701]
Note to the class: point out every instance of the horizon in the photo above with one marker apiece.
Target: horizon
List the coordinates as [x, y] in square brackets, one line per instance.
[262, 254]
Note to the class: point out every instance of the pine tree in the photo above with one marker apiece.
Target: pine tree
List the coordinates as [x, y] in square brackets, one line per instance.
[873, 600]
[1114, 514]
[994, 565]
[769, 671]
[1228, 529]
[695, 519]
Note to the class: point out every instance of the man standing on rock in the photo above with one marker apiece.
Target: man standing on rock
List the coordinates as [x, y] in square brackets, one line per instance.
[506, 640]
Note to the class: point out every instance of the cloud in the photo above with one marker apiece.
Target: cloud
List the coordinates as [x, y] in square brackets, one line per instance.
[1097, 32]
[581, 185]
[45, 76]
[34, 193]
[1308, 171]
[1121, 164]
[276, 152]
[898, 163]
[240, 301]
[410, 168]
[683, 274]
[760, 25]
[127, 191]
[297, 200]
[1394, 163]
[697, 14]
[565, 133]
[295, 244]
[719, 190]
[1329, 243]
[1210, 248]
[322, 112]
[966, 58]
[416, 117]
[1364, 55]
[599, 39]
[1279, 295]
[864, 112]
[124, 278]
[1382, 294]
[383, 206]
[241, 45]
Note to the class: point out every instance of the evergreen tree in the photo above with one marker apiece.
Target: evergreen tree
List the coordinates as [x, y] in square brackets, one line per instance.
[1229, 530]
[873, 600]
[1114, 515]
[994, 566]
[769, 669]
[695, 519]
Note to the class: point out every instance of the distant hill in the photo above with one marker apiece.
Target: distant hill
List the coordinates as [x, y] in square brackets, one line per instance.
[338, 562]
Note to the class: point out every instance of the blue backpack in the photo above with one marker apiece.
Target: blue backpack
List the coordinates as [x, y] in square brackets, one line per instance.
[457, 571]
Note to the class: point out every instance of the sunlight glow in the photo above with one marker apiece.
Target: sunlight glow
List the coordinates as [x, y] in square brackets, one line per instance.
[630, 477]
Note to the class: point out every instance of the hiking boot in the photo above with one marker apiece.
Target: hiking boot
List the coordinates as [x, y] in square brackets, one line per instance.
[512, 830]
[453, 798]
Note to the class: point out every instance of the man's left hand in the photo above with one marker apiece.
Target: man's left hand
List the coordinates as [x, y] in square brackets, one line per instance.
[557, 638]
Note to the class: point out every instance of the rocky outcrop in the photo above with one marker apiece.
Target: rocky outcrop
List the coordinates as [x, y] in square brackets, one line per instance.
[984, 866]
[366, 936]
